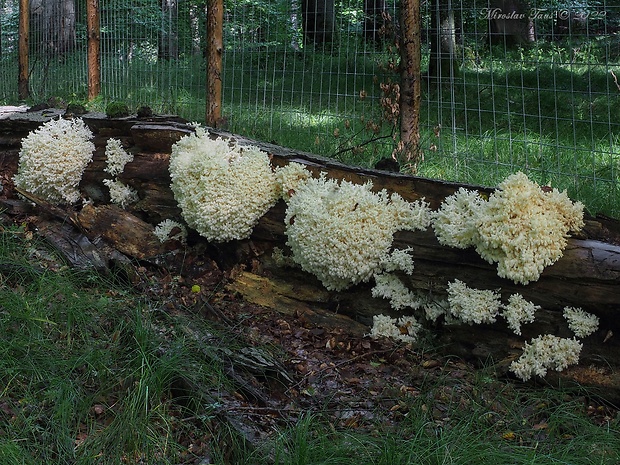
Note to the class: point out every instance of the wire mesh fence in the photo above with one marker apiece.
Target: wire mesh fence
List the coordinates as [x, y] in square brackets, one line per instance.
[507, 85]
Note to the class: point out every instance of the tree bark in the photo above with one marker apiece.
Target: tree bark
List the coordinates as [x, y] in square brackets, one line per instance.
[408, 150]
[55, 22]
[215, 49]
[443, 62]
[23, 89]
[169, 39]
[93, 27]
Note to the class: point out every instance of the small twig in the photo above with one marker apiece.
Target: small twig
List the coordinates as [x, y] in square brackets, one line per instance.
[615, 79]
[337, 365]
[369, 141]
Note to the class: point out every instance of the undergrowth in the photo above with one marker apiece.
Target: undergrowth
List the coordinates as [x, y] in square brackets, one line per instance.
[545, 427]
[86, 376]
[90, 373]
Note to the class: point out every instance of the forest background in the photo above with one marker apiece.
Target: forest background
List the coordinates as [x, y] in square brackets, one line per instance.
[507, 85]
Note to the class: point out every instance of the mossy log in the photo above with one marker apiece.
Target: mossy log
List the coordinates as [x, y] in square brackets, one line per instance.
[587, 276]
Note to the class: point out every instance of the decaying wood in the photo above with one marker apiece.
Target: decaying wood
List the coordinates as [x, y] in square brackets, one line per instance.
[309, 303]
[128, 233]
[587, 276]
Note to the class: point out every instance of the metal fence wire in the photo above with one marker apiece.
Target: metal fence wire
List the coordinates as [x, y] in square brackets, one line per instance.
[507, 85]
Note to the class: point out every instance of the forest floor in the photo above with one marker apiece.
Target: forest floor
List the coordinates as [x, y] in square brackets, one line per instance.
[277, 369]
[286, 367]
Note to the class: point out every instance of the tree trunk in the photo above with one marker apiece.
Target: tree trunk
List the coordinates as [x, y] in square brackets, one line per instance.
[408, 150]
[443, 62]
[318, 20]
[215, 49]
[23, 88]
[294, 25]
[2, 13]
[169, 39]
[196, 21]
[509, 23]
[54, 24]
[93, 31]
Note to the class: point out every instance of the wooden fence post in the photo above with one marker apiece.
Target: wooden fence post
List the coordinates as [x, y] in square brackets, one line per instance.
[94, 48]
[23, 31]
[408, 150]
[215, 49]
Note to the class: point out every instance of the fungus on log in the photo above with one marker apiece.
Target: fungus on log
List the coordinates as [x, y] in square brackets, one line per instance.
[587, 276]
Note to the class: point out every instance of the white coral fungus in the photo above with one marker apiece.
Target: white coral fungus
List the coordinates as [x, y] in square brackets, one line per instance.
[580, 322]
[290, 177]
[120, 193]
[521, 227]
[518, 311]
[388, 286]
[170, 230]
[546, 352]
[342, 233]
[222, 189]
[116, 157]
[472, 305]
[434, 309]
[404, 329]
[53, 158]
[455, 223]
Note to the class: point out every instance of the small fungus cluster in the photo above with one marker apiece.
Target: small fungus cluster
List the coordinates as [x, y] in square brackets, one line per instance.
[170, 230]
[520, 227]
[116, 159]
[541, 353]
[53, 158]
[546, 352]
[404, 329]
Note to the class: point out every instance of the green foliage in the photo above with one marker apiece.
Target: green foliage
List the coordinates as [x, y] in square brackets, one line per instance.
[539, 427]
[116, 110]
[86, 377]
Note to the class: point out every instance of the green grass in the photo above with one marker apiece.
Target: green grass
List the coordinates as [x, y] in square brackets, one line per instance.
[542, 427]
[550, 110]
[547, 111]
[85, 375]
[88, 369]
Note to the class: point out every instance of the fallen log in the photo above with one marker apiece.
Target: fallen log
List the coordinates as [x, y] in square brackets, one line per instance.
[587, 276]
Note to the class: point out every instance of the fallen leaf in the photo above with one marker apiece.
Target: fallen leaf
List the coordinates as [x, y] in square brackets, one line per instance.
[540, 426]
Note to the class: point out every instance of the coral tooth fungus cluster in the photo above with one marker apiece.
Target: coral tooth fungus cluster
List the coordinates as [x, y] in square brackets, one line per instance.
[53, 158]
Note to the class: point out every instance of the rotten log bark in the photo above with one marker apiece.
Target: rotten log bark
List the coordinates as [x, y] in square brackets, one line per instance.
[588, 276]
